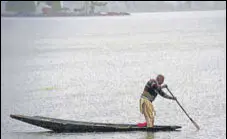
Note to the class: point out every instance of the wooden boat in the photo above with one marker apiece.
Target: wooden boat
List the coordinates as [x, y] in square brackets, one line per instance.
[59, 125]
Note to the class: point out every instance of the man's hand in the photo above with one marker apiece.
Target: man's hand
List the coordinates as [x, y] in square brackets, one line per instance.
[164, 86]
[174, 98]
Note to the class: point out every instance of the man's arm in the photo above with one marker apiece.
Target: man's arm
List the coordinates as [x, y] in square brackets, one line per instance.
[163, 94]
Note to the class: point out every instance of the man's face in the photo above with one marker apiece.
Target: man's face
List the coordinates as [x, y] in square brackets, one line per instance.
[160, 80]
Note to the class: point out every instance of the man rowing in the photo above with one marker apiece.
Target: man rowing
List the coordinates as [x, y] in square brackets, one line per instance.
[151, 90]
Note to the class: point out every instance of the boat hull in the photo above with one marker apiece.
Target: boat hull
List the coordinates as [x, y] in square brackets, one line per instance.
[59, 125]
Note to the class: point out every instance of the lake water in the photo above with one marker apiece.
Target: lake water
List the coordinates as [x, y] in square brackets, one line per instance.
[95, 68]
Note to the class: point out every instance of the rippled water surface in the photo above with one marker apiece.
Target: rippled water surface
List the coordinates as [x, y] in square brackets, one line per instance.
[95, 68]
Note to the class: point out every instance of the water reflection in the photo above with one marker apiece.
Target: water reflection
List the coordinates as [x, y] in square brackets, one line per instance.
[150, 135]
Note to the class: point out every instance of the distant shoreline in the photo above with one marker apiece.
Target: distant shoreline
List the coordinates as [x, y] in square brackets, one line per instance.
[64, 14]
[112, 13]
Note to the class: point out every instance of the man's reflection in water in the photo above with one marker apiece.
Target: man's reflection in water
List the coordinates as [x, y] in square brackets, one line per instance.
[150, 135]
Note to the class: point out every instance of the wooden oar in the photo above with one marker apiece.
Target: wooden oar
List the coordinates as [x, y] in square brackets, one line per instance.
[195, 124]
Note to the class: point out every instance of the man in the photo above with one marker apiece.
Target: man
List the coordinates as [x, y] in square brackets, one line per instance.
[151, 90]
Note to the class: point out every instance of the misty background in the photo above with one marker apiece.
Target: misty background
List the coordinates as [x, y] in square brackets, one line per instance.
[143, 6]
[152, 6]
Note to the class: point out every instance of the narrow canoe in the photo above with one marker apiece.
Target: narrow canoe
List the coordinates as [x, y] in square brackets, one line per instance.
[60, 125]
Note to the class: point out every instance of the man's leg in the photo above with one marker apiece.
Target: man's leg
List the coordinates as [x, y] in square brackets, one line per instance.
[147, 114]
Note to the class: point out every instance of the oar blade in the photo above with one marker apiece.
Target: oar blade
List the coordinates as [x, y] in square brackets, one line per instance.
[195, 124]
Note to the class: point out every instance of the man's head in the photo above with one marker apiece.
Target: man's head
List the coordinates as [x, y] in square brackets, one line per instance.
[160, 79]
